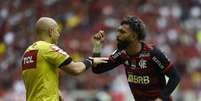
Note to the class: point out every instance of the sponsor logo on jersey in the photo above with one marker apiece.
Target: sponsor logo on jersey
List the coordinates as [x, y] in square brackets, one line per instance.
[29, 59]
[136, 79]
[158, 62]
[116, 54]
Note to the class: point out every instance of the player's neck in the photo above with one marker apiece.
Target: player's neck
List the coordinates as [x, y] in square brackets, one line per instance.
[44, 38]
[134, 48]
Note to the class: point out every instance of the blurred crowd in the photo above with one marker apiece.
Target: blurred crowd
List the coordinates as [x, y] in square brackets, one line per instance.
[172, 25]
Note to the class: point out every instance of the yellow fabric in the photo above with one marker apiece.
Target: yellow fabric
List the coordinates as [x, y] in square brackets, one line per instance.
[198, 36]
[41, 82]
[2, 48]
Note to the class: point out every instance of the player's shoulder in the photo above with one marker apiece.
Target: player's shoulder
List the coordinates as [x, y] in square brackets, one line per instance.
[152, 48]
[157, 52]
[148, 46]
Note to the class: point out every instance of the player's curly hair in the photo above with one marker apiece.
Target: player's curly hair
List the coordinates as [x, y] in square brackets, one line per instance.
[137, 25]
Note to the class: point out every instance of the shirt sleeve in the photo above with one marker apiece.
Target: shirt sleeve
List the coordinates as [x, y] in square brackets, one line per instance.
[55, 55]
[114, 60]
[161, 61]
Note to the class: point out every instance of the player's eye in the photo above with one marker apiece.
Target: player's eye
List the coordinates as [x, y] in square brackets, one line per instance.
[121, 31]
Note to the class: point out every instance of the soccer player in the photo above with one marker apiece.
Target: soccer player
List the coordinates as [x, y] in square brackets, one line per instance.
[42, 59]
[145, 65]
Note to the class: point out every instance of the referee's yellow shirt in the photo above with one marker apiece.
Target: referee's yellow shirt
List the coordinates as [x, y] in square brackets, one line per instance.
[39, 71]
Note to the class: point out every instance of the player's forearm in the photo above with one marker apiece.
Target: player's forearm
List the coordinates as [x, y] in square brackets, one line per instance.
[114, 61]
[103, 67]
[97, 46]
[173, 81]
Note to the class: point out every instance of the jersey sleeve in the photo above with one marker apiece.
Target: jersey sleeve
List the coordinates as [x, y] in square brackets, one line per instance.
[55, 55]
[118, 56]
[161, 61]
[115, 59]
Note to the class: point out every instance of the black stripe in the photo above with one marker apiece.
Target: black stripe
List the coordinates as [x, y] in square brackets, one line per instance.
[88, 62]
[66, 62]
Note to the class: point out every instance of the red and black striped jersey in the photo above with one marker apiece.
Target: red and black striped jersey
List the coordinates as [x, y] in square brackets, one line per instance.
[145, 71]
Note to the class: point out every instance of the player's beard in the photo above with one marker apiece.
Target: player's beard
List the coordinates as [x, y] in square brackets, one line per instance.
[122, 44]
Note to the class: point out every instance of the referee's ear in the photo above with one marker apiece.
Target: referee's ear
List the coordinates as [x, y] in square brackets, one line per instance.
[50, 32]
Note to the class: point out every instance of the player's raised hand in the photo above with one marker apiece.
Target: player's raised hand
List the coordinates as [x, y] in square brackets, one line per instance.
[97, 40]
[99, 36]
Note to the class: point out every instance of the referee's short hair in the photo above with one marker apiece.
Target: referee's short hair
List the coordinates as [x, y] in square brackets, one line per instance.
[137, 25]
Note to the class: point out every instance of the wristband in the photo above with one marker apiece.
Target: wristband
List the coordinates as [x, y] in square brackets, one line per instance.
[88, 62]
[97, 47]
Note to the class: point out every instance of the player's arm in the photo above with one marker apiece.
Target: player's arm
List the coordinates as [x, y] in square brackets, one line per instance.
[114, 61]
[173, 81]
[97, 41]
[103, 67]
[169, 70]
[76, 68]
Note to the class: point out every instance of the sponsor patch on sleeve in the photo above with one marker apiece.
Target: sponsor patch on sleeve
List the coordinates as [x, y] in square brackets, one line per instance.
[59, 50]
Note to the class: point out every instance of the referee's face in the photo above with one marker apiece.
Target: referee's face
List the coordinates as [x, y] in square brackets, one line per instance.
[124, 36]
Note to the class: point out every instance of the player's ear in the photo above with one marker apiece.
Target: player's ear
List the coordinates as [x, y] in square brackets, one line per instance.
[134, 35]
[50, 32]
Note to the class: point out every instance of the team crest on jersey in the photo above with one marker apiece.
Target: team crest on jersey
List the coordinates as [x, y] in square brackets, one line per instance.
[143, 63]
